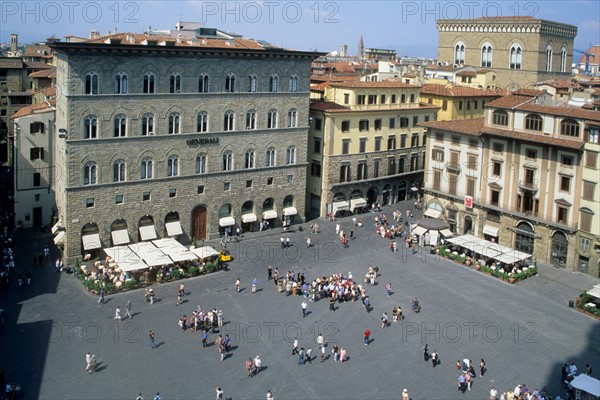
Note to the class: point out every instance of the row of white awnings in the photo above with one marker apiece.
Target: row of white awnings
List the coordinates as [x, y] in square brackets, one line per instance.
[60, 237]
[489, 249]
[251, 217]
[348, 206]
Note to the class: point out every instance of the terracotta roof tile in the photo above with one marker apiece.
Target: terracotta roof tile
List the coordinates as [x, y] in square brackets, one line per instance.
[37, 65]
[34, 109]
[460, 91]
[595, 50]
[527, 92]
[377, 84]
[10, 62]
[560, 109]
[45, 73]
[467, 126]
[327, 106]
[533, 137]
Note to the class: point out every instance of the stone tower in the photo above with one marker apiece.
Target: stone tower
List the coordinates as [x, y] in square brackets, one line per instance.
[361, 48]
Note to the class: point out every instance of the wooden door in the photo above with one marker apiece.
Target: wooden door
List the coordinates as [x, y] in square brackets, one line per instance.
[199, 223]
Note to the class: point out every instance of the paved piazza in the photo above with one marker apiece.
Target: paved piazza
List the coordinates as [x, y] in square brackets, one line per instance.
[522, 332]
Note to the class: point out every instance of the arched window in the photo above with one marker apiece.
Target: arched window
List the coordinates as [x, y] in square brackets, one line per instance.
[272, 119]
[459, 53]
[121, 83]
[119, 171]
[293, 87]
[251, 119]
[486, 55]
[270, 161]
[174, 125]
[500, 117]
[533, 122]
[90, 127]
[120, 126]
[560, 247]
[228, 161]
[173, 166]
[525, 238]
[147, 125]
[175, 83]
[201, 163]
[516, 56]
[228, 121]
[90, 170]
[92, 85]
[149, 83]
[290, 155]
[549, 58]
[563, 60]
[230, 83]
[288, 201]
[273, 83]
[569, 127]
[292, 118]
[249, 159]
[202, 122]
[147, 169]
[253, 83]
[203, 82]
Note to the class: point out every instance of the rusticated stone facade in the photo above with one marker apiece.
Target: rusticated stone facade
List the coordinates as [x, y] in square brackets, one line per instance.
[118, 168]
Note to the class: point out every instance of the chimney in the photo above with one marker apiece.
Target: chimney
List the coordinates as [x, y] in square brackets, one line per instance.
[179, 38]
[14, 42]
[94, 34]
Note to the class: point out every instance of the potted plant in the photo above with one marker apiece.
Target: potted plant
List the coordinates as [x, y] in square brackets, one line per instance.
[159, 276]
[130, 284]
[193, 270]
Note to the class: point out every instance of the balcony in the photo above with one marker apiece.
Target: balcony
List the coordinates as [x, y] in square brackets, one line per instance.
[527, 186]
[454, 167]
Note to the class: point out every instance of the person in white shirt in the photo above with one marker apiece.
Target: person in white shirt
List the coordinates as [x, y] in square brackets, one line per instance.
[517, 391]
[257, 364]
[493, 394]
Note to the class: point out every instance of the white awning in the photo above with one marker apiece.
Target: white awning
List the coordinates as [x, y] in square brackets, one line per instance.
[447, 233]
[204, 252]
[56, 227]
[340, 206]
[419, 230]
[148, 232]
[586, 384]
[430, 212]
[227, 221]
[91, 242]
[173, 228]
[512, 257]
[247, 218]
[60, 238]
[270, 214]
[491, 230]
[595, 291]
[289, 211]
[120, 237]
[357, 203]
[132, 266]
[433, 238]
[414, 189]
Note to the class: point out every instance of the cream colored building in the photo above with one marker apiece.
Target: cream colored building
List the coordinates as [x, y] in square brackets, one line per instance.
[457, 101]
[537, 188]
[521, 50]
[365, 145]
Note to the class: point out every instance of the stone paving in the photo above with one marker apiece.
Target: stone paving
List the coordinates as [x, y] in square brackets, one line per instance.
[525, 332]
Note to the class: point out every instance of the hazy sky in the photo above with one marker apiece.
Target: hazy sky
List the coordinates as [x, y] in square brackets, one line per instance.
[405, 26]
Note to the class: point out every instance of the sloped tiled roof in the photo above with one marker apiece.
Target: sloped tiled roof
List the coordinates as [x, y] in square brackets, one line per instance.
[34, 109]
[460, 91]
[37, 65]
[376, 84]
[527, 92]
[45, 73]
[10, 62]
[595, 50]
[560, 109]
[470, 127]
[533, 137]
[327, 106]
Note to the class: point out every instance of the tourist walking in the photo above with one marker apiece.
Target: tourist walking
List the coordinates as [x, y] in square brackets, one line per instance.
[434, 358]
[301, 356]
[269, 273]
[335, 351]
[219, 393]
[308, 355]
[332, 304]
[269, 395]
[118, 314]
[254, 283]
[128, 309]
[323, 354]
[152, 338]
[257, 364]
[102, 294]
[388, 288]
[204, 339]
[426, 353]
[237, 285]
[342, 355]
[366, 336]
[304, 307]
[384, 320]
[295, 346]
[250, 367]
[482, 367]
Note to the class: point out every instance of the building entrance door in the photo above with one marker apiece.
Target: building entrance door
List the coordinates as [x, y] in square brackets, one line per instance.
[37, 216]
[199, 223]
